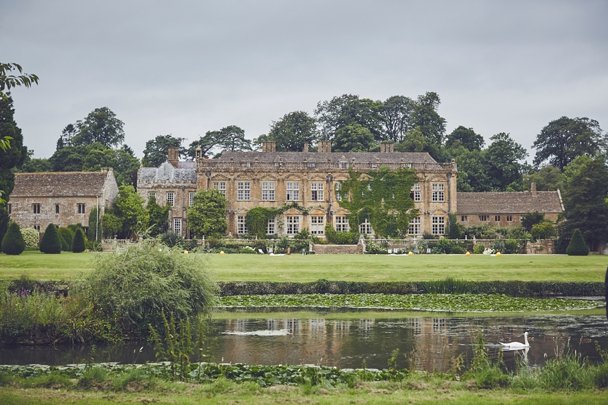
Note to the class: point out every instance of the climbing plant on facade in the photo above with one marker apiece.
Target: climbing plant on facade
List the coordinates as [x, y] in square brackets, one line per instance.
[383, 197]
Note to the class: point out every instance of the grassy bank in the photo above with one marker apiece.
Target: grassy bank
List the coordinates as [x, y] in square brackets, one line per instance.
[364, 268]
[232, 393]
[566, 380]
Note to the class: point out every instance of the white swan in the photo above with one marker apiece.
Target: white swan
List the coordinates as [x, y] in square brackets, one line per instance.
[516, 345]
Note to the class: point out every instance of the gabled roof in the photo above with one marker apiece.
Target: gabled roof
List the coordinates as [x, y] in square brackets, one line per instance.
[59, 184]
[166, 172]
[509, 202]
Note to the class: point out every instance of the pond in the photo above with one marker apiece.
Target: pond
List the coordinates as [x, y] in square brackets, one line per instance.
[428, 342]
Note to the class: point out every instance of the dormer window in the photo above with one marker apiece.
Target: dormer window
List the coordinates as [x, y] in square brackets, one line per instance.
[343, 164]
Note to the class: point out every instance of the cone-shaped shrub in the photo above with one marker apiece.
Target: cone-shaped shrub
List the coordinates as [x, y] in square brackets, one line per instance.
[50, 242]
[66, 236]
[12, 242]
[78, 244]
[577, 246]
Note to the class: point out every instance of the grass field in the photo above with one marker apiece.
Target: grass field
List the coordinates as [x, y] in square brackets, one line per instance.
[299, 268]
[223, 392]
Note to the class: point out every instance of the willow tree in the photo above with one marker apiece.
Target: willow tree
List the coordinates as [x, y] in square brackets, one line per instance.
[383, 197]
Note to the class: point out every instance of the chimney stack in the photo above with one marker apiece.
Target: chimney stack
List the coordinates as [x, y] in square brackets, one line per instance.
[305, 149]
[387, 147]
[533, 188]
[325, 146]
[173, 155]
[269, 146]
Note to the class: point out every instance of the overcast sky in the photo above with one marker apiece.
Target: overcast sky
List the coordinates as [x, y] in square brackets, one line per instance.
[187, 67]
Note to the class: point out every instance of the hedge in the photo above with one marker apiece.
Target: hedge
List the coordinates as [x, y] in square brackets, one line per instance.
[447, 286]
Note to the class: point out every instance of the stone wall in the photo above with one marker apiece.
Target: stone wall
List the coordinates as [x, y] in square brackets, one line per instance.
[543, 246]
[337, 249]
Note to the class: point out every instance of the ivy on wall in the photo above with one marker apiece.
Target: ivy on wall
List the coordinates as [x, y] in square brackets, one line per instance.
[383, 197]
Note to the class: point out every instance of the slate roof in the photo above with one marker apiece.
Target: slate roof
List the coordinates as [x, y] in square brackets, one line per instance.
[333, 157]
[59, 184]
[508, 202]
[184, 173]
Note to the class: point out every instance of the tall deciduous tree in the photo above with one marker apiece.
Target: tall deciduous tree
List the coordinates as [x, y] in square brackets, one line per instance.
[472, 171]
[503, 160]
[584, 199]
[547, 178]
[155, 152]
[95, 157]
[396, 115]
[349, 109]
[426, 117]
[294, 130]
[564, 139]
[207, 214]
[230, 138]
[353, 138]
[129, 208]
[465, 137]
[101, 125]
[382, 197]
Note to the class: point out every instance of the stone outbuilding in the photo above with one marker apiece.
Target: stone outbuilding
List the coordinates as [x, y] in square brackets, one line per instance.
[506, 208]
[60, 198]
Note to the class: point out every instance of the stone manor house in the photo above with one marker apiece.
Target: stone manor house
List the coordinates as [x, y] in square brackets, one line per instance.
[309, 180]
[306, 181]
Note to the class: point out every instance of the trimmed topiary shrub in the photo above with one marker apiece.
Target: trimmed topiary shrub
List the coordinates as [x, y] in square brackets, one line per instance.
[50, 242]
[31, 238]
[577, 245]
[12, 242]
[78, 244]
[66, 236]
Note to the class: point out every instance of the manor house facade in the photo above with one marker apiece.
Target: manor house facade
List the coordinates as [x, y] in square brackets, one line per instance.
[306, 182]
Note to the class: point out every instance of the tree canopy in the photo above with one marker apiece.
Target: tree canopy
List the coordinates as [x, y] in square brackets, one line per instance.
[503, 161]
[465, 137]
[100, 126]
[155, 152]
[584, 197]
[563, 140]
[293, 130]
[230, 138]
[396, 117]
[128, 209]
[207, 214]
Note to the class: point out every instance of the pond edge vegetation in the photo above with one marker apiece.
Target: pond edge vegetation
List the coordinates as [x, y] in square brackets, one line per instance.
[567, 373]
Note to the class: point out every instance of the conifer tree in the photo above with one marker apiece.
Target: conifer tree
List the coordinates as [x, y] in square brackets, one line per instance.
[50, 242]
[78, 244]
[577, 245]
[12, 242]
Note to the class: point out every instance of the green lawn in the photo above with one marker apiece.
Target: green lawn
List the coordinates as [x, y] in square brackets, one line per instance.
[223, 392]
[298, 268]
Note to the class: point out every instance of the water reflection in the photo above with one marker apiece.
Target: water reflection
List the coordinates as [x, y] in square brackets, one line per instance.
[424, 342]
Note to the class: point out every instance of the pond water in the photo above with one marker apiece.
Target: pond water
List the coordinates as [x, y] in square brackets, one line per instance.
[425, 342]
